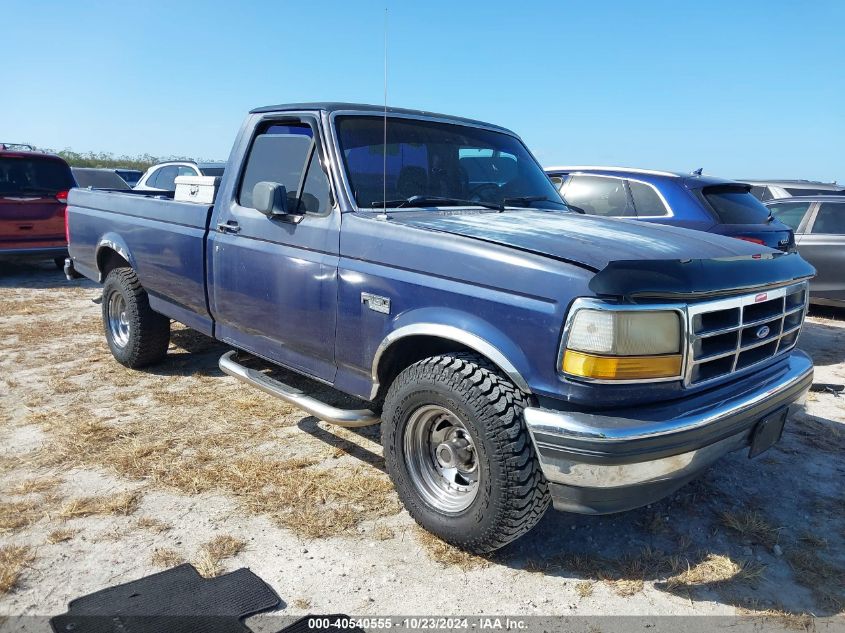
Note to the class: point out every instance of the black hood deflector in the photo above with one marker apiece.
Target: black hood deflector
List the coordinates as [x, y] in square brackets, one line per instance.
[690, 279]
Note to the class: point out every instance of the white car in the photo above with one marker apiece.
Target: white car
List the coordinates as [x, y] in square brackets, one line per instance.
[162, 177]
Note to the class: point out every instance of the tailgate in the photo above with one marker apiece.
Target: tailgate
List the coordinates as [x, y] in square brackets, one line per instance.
[31, 220]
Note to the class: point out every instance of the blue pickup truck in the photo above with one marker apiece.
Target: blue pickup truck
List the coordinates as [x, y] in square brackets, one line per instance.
[515, 353]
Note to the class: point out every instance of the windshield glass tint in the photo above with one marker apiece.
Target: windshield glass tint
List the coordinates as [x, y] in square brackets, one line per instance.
[33, 175]
[425, 158]
[735, 205]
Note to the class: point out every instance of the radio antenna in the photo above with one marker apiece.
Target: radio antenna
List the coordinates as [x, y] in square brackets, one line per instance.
[384, 144]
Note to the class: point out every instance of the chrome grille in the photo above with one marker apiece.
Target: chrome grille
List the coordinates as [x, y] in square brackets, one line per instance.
[729, 335]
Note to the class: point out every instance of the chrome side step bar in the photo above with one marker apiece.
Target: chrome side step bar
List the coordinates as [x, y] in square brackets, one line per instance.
[350, 418]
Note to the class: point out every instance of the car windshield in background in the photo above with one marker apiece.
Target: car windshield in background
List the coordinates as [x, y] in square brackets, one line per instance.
[430, 160]
[33, 175]
[735, 205]
[99, 179]
[211, 171]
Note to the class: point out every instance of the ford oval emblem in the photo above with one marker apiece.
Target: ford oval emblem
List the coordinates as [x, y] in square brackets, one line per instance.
[763, 331]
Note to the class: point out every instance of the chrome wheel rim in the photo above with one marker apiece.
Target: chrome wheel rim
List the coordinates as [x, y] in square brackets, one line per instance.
[118, 321]
[441, 458]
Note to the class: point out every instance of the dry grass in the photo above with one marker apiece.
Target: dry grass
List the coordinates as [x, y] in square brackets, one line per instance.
[715, 569]
[18, 514]
[166, 557]
[122, 504]
[212, 554]
[820, 575]
[13, 559]
[626, 586]
[751, 525]
[300, 495]
[786, 619]
[301, 603]
[447, 554]
[382, 533]
[584, 589]
[153, 525]
[35, 485]
[61, 535]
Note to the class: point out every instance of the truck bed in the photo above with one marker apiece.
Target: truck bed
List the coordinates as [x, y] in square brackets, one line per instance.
[163, 240]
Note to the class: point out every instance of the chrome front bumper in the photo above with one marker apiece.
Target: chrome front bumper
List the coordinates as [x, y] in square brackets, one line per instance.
[601, 462]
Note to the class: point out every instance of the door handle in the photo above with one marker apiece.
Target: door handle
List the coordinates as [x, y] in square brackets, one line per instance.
[228, 227]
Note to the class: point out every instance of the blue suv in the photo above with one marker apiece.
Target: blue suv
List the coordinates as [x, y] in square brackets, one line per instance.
[693, 201]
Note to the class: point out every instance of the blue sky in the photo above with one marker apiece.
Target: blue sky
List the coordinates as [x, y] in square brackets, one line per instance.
[743, 89]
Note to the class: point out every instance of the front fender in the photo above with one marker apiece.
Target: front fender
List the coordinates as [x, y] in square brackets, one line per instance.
[463, 328]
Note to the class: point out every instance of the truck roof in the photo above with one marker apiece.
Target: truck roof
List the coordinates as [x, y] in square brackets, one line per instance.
[334, 106]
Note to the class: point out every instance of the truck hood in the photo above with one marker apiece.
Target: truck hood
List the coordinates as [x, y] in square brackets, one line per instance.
[587, 240]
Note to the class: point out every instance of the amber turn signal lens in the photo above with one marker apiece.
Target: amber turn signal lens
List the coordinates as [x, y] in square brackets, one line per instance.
[621, 367]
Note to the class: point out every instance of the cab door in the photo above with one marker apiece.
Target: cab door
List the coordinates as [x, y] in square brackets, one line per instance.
[273, 280]
[823, 245]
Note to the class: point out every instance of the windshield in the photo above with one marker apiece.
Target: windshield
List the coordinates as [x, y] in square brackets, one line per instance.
[211, 171]
[33, 175]
[430, 161]
[735, 205]
[99, 179]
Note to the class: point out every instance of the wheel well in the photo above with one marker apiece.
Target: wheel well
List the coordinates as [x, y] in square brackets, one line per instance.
[407, 351]
[108, 259]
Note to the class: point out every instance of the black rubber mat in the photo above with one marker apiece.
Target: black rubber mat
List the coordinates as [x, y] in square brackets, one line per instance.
[178, 600]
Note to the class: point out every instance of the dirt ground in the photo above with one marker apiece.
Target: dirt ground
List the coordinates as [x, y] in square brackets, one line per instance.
[107, 475]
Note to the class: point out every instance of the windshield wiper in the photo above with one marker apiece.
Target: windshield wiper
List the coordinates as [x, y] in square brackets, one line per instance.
[523, 200]
[423, 201]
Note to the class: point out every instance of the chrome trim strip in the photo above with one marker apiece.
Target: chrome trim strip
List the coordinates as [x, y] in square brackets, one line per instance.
[631, 170]
[453, 334]
[350, 418]
[583, 303]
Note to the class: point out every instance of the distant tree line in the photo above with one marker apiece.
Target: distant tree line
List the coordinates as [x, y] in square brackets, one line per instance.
[107, 159]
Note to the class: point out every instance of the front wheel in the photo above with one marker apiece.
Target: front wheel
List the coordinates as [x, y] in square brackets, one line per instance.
[459, 454]
[137, 336]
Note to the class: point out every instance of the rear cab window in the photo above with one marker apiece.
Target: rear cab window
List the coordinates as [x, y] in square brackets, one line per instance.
[734, 204]
[33, 175]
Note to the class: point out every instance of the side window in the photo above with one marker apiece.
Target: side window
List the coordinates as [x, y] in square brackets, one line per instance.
[761, 192]
[647, 202]
[598, 196]
[151, 181]
[316, 196]
[184, 170]
[281, 154]
[557, 181]
[165, 179]
[790, 213]
[830, 219]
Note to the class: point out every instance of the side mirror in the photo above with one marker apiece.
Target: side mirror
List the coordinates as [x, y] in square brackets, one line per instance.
[270, 198]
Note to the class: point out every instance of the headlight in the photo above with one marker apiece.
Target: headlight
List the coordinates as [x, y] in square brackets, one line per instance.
[623, 345]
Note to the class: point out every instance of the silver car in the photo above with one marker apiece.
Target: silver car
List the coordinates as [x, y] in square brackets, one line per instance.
[819, 225]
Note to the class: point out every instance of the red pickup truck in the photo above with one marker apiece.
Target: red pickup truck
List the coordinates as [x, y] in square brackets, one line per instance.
[33, 202]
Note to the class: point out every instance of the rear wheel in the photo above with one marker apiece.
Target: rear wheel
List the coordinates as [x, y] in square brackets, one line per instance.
[459, 454]
[137, 336]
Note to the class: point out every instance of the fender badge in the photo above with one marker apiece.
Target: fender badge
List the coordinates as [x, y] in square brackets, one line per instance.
[376, 303]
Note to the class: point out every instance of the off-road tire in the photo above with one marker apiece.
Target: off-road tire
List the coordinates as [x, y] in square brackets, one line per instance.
[512, 491]
[149, 331]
